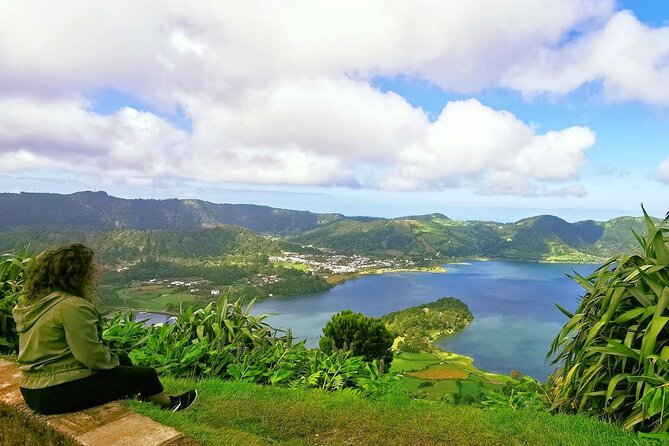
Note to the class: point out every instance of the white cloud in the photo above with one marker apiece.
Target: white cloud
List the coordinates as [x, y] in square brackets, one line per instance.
[630, 59]
[279, 93]
[327, 116]
[62, 133]
[663, 171]
[556, 155]
[498, 183]
[306, 131]
[332, 132]
[22, 160]
[474, 144]
[163, 50]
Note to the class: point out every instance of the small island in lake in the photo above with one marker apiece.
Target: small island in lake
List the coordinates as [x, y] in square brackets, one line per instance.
[417, 327]
[427, 371]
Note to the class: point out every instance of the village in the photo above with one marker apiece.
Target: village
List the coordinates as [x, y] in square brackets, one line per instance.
[290, 273]
[338, 263]
[330, 263]
[202, 286]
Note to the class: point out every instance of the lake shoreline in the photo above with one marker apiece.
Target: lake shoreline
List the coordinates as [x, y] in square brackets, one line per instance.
[338, 279]
[515, 318]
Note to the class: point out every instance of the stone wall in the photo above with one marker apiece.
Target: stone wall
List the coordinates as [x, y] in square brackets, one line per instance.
[111, 424]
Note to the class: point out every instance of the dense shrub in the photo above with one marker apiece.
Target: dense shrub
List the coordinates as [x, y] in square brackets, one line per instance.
[203, 342]
[12, 270]
[222, 340]
[225, 341]
[527, 393]
[614, 350]
[359, 334]
[296, 366]
[122, 333]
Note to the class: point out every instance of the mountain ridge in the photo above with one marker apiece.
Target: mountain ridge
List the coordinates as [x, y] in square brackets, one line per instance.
[13, 216]
[101, 211]
[435, 236]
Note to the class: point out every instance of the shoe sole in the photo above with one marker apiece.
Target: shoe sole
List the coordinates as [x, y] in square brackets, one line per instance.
[191, 402]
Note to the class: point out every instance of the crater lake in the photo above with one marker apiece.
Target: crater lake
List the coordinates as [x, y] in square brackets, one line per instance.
[515, 318]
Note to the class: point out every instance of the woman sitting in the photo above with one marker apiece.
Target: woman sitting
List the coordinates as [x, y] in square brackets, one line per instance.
[64, 365]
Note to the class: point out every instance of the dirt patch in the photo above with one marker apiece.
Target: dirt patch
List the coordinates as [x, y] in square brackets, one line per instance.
[145, 288]
[444, 371]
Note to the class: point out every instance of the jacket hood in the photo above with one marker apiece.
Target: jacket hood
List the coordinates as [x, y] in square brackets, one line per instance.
[25, 316]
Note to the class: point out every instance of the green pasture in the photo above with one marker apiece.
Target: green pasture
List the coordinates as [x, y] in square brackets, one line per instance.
[238, 413]
[435, 375]
[156, 297]
[293, 265]
[400, 364]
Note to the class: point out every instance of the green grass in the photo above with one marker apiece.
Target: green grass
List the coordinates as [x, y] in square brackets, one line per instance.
[434, 375]
[158, 304]
[400, 364]
[231, 413]
[298, 266]
[409, 384]
[416, 356]
[441, 371]
[156, 298]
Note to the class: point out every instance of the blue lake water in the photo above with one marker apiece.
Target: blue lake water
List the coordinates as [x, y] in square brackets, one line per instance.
[152, 318]
[515, 318]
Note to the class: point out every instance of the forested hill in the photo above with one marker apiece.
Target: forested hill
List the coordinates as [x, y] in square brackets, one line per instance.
[98, 211]
[420, 325]
[38, 216]
[544, 238]
[132, 244]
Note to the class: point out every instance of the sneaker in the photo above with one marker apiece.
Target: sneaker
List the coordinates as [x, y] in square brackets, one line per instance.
[183, 401]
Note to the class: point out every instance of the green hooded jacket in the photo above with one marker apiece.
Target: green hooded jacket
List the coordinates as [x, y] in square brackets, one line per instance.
[59, 341]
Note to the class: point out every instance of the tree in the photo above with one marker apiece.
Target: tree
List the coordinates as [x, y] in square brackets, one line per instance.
[614, 350]
[361, 335]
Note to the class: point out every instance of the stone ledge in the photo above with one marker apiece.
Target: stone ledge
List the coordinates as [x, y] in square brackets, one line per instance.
[111, 424]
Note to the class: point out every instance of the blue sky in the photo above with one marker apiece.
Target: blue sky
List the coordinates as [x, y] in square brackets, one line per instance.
[473, 110]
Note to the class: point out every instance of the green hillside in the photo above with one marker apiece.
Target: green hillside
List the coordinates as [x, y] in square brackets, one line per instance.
[129, 245]
[617, 236]
[419, 325]
[185, 228]
[138, 265]
[98, 211]
[541, 238]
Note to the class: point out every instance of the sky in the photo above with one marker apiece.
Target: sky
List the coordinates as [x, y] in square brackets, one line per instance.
[492, 109]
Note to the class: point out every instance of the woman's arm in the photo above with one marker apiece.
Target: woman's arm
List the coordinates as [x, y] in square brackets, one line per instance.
[80, 320]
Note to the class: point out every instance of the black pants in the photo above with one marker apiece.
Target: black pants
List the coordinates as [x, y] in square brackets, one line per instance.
[99, 388]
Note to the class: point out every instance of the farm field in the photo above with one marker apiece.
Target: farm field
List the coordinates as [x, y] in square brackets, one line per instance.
[155, 297]
[435, 375]
[293, 265]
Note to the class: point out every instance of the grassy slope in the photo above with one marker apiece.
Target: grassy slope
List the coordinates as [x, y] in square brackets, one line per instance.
[229, 413]
[155, 298]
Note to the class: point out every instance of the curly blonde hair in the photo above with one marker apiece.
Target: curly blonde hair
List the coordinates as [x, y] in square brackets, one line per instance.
[69, 268]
